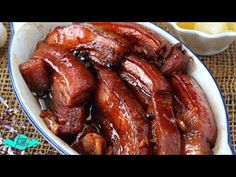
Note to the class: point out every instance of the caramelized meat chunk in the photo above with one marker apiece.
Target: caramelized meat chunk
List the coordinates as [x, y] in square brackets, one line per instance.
[124, 114]
[102, 48]
[36, 75]
[144, 41]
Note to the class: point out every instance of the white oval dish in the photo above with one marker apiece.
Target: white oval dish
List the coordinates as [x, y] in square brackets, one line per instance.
[202, 43]
[26, 35]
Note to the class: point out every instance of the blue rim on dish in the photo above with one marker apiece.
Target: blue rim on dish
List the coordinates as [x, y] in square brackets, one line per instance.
[31, 119]
[63, 151]
[222, 98]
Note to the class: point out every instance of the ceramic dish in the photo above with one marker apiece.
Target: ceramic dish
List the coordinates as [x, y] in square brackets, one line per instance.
[3, 35]
[202, 43]
[26, 35]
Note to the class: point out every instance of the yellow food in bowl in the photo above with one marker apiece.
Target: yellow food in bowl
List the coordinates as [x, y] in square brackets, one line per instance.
[208, 27]
[232, 26]
[186, 25]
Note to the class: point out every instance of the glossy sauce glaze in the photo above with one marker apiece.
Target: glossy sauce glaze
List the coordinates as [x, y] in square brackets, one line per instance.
[119, 88]
[123, 113]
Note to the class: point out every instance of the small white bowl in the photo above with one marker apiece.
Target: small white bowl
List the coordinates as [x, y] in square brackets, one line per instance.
[3, 35]
[202, 43]
[26, 35]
